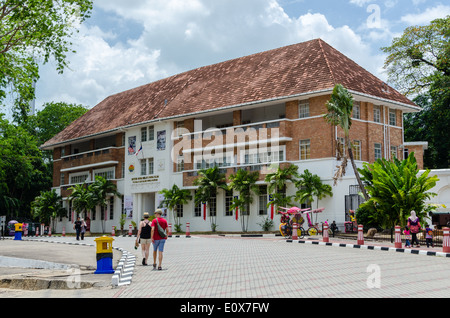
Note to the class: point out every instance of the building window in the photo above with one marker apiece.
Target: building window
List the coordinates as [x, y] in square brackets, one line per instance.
[357, 149]
[143, 134]
[357, 110]
[151, 166]
[393, 151]
[180, 210]
[143, 167]
[80, 178]
[111, 208]
[62, 178]
[179, 125]
[228, 202]
[377, 114]
[151, 133]
[262, 200]
[405, 153]
[303, 109]
[378, 154]
[108, 174]
[305, 146]
[392, 118]
[180, 164]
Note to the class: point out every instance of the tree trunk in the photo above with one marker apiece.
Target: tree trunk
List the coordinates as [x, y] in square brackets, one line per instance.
[358, 178]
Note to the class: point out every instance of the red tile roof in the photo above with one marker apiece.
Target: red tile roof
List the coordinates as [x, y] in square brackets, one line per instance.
[288, 71]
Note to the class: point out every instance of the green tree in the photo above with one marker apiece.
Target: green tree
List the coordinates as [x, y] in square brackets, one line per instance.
[81, 198]
[52, 119]
[172, 199]
[99, 193]
[277, 185]
[32, 32]
[208, 182]
[310, 187]
[340, 108]
[419, 63]
[245, 183]
[22, 170]
[418, 56]
[48, 207]
[396, 188]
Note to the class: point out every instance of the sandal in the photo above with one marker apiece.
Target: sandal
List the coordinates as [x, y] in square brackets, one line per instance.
[154, 266]
[159, 268]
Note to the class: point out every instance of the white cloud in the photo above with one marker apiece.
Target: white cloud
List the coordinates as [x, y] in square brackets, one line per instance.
[178, 35]
[360, 3]
[430, 14]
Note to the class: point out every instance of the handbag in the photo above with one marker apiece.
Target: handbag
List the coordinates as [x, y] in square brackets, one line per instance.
[161, 231]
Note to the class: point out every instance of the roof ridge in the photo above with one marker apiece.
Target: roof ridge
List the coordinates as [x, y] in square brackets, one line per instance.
[326, 60]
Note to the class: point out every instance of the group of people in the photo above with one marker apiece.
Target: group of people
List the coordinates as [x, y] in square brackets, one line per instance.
[413, 228]
[148, 234]
[80, 228]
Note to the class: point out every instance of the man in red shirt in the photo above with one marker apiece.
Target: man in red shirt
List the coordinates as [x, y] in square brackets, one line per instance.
[157, 240]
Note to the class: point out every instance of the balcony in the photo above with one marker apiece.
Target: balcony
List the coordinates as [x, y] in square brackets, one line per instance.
[93, 159]
[262, 134]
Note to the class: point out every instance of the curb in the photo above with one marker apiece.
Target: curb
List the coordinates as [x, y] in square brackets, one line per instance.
[124, 270]
[373, 247]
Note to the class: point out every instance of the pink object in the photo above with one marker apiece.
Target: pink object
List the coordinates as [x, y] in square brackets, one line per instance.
[446, 240]
[325, 235]
[360, 234]
[398, 237]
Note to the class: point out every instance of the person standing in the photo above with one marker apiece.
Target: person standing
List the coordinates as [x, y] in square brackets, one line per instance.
[83, 229]
[407, 237]
[77, 227]
[143, 236]
[157, 240]
[414, 226]
[429, 235]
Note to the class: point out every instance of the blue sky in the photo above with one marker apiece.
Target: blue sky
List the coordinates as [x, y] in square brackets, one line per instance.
[126, 44]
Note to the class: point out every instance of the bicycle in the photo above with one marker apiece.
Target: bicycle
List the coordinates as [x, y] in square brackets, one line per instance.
[313, 229]
[287, 224]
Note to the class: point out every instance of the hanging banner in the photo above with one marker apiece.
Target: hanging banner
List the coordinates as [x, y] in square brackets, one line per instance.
[237, 209]
[271, 206]
[204, 210]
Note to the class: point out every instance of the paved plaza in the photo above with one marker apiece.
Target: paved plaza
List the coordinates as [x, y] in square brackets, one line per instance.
[224, 267]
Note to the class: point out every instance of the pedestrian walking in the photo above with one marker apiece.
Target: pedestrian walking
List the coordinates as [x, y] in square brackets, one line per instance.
[83, 229]
[143, 237]
[414, 226]
[159, 238]
[333, 227]
[77, 227]
[428, 235]
[407, 234]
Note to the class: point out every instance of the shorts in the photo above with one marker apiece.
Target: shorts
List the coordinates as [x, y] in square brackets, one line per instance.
[159, 245]
[145, 241]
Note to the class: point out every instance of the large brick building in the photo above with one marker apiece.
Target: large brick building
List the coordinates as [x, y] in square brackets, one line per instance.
[265, 108]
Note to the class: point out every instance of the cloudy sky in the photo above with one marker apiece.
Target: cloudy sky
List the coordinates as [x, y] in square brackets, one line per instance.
[126, 44]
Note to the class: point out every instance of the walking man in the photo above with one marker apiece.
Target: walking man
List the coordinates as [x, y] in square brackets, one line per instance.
[159, 239]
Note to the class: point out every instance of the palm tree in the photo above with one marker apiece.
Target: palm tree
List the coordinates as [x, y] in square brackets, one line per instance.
[174, 197]
[245, 183]
[81, 199]
[208, 182]
[101, 190]
[309, 186]
[340, 108]
[277, 183]
[48, 207]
